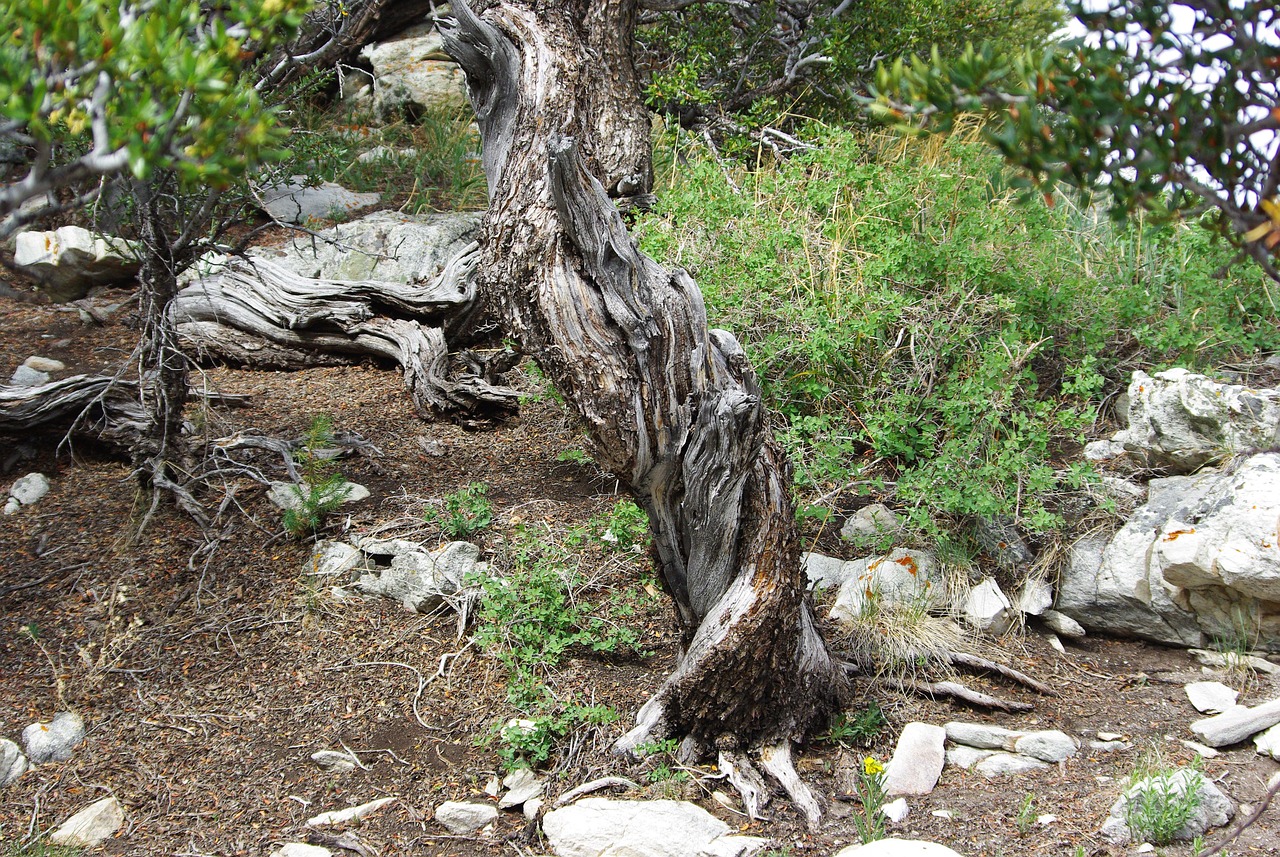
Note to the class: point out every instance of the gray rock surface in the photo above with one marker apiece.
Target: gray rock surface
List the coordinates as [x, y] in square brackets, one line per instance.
[1063, 624]
[1213, 809]
[1235, 724]
[1115, 590]
[54, 741]
[823, 571]
[1210, 697]
[30, 489]
[92, 825]
[332, 559]
[1267, 743]
[334, 761]
[384, 246]
[413, 71]
[917, 760]
[461, 817]
[295, 201]
[417, 578]
[871, 521]
[982, 735]
[962, 756]
[902, 576]
[898, 848]
[1035, 598]
[598, 827]
[998, 536]
[1047, 745]
[1182, 421]
[522, 785]
[1007, 764]
[287, 495]
[71, 260]
[25, 376]
[987, 608]
[13, 763]
[44, 364]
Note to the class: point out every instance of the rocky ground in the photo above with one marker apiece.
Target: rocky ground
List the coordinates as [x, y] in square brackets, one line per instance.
[207, 671]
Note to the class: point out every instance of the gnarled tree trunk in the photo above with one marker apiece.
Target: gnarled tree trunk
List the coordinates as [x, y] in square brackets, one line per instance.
[672, 407]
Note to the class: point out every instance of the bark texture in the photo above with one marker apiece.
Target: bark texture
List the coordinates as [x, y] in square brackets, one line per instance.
[261, 314]
[672, 407]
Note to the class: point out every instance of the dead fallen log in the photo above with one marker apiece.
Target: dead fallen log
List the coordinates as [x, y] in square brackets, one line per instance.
[101, 406]
[260, 314]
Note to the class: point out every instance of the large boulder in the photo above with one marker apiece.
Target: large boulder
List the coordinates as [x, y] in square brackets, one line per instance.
[383, 246]
[1199, 561]
[1181, 421]
[413, 72]
[71, 260]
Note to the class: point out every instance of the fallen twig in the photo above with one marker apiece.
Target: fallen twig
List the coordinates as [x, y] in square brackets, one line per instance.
[595, 786]
[957, 690]
[964, 659]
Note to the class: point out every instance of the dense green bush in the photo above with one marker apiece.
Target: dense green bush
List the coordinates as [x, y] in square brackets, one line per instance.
[901, 305]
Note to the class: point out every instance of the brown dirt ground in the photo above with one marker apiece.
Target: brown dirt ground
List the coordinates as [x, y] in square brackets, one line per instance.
[208, 672]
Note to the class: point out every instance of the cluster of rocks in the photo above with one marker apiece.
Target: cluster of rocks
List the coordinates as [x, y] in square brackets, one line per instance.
[1196, 562]
[35, 371]
[405, 571]
[49, 743]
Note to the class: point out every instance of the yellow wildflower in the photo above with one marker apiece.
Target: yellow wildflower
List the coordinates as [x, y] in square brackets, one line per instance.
[872, 767]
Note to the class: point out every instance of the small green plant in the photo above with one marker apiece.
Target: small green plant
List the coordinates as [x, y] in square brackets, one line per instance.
[1161, 799]
[323, 488]
[465, 512]
[40, 848]
[869, 822]
[1025, 817]
[574, 455]
[625, 526]
[542, 609]
[860, 729]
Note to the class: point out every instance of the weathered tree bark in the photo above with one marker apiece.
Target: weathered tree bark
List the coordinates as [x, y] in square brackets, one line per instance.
[260, 314]
[672, 407]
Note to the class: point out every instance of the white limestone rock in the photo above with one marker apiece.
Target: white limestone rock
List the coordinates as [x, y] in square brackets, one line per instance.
[91, 826]
[13, 763]
[417, 578]
[902, 576]
[25, 376]
[44, 364]
[822, 571]
[1210, 697]
[1267, 743]
[1036, 597]
[1061, 623]
[69, 261]
[982, 735]
[288, 495]
[598, 827]
[962, 756]
[987, 608]
[1007, 764]
[300, 201]
[1047, 745]
[1182, 421]
[27, 491]
[917, 760]
[413, 71]
[1237, 724]
[301, 849]
[522, 785]
[896, 810]
[334, 761]
[461, 817]
[332, 559]
[871, 521]
[54, 741]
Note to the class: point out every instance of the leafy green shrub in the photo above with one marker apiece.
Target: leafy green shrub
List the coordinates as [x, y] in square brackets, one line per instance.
[900, 306]
[1162, 803]
[531, 619]
[859, 730]
[465, 512]
[323, 488]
